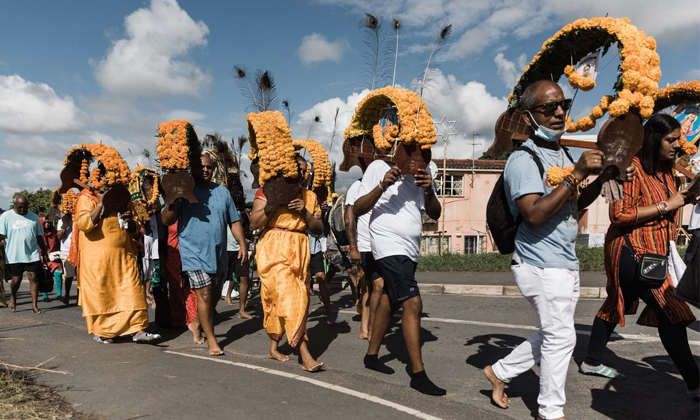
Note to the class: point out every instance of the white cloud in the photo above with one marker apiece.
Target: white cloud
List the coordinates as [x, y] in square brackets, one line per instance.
[28, 107]
[151, 59]
[10, 165]
[316, 48]
[183, 114]
[479, 24]
[508, 71]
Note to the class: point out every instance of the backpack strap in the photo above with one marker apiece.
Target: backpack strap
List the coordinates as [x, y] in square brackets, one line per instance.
[568, 154]
[536, 158]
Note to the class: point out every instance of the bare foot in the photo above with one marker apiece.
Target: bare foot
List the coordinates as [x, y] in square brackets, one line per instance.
[37, 310]
[196, 333]
[274, 354]
[498, 395]
[214, 349]
[12, 304]
[245, 315]
[311, 366]
[363, 335]
[228, 300]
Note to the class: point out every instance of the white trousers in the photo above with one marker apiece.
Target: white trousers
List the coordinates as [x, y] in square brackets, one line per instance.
[553, 292]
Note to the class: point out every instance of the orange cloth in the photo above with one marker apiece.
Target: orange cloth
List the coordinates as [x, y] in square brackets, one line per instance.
[283, 257]
[111, 293]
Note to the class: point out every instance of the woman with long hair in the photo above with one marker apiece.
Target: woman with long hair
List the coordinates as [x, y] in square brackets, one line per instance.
[647, 217]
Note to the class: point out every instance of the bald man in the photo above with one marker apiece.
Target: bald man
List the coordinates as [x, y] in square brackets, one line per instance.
[21, 237]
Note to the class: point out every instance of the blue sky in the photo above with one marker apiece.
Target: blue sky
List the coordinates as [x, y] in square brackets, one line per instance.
[85, 71]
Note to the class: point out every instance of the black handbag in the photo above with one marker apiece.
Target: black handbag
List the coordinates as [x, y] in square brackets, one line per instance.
[45, 280]
[652, 268]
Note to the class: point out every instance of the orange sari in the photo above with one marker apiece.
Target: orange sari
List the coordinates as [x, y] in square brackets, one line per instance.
[283, 257]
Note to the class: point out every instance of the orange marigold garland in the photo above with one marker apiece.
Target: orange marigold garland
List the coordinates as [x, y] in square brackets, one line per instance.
[677, 94]
[638, 77]
[415, 125]
[68, 202]
[137, 175]
[116, 170]
[271, 143]
[319, 156]
[177, 145]
[556, 174]
[687, 148]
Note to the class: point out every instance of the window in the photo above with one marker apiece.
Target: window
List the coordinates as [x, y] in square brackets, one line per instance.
[431, 245]
[453, 185]
[472, 244]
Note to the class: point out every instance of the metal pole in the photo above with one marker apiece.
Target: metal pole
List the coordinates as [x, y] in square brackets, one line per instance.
[444, 180]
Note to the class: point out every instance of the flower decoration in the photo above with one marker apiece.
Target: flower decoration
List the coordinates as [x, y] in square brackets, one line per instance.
[556, 174]
[271, 143]
[68, 201]
[116, 170]
[137, 176]
[319, 156]
[415, 125]
[178, 145]
[677, 94]
[638, 75]
[687, 148]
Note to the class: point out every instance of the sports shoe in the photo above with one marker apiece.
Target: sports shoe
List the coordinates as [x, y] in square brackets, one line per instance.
[601, 370]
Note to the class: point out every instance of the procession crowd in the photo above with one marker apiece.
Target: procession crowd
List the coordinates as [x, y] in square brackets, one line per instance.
[189, 255]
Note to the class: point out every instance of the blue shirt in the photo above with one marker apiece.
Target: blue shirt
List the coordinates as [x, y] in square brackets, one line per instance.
[20, 234]
[202, 229]
[552, 244]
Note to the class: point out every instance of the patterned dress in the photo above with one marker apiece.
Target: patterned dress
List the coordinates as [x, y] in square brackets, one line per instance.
[651, 236]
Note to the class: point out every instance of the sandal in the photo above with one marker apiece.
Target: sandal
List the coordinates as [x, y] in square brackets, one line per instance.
[102, 340]
[145, 337]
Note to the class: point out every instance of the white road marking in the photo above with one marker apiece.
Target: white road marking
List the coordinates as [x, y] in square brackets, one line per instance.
[326, 385]
[637, 337]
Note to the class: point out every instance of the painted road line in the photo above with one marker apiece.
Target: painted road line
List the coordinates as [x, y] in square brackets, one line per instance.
[636, 337]
[326, 385]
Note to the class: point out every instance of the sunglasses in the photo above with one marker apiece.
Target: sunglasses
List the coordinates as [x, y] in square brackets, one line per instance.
[550, 108]
[207, 167]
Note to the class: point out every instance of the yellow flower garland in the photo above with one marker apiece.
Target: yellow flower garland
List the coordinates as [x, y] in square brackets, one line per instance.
[174, 145]
[271, 142]
[415, 125]
[68, 202]
[116, 169]
[678, 93]
[556, 174]
[639, 69]
[319, 156]
[155, 192]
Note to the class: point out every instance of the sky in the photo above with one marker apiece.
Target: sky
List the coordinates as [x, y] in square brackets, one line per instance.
[82, 71]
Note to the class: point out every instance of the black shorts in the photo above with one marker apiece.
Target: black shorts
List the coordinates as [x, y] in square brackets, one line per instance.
[399, 273]
[369, 266]
[16, 270]
[316, 264]
[235, 266]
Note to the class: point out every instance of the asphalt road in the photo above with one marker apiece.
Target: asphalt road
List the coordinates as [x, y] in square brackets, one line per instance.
[176, 378]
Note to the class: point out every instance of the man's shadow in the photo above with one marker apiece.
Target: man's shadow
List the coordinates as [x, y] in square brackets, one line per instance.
[243, 327]
[322, 335]
[493, 347]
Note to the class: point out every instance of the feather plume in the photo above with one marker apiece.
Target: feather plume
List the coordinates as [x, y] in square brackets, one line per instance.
[265, 85]
[312, 123]
[372, 27]
[394, 49]
[241, 75]
[335, 127]
[288, 108]
[430, 64]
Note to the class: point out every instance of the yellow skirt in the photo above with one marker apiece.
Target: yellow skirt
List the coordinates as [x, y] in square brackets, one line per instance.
[117, 324]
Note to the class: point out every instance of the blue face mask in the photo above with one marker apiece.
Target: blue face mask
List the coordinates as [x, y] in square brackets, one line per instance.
[546, 134]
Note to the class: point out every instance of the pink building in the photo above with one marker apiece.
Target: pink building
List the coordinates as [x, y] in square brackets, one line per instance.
[467, 188]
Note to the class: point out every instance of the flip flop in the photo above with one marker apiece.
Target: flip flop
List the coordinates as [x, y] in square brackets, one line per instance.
[316, 368]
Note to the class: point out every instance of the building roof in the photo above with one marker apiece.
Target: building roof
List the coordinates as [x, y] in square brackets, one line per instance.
[477, 164]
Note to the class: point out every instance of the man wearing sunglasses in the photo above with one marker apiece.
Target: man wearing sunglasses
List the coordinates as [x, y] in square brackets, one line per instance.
[202, 238]
[544, 264]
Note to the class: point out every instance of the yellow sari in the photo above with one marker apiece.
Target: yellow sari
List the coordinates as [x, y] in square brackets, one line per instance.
[283, 257]
[111, 293]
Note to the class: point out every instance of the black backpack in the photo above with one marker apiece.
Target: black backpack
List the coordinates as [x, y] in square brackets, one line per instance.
[499, 219]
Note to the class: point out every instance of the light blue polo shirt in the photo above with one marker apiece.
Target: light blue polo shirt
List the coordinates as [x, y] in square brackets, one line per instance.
[20, 232]
[202, 229]
[552, 244]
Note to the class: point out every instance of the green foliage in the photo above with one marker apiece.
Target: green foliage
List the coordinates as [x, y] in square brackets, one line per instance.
[39, 200]
[503, 156]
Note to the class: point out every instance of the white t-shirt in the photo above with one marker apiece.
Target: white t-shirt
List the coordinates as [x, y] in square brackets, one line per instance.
[694, 218]
[362, 226]
[396, 222]
[65, 241]
[150, 242]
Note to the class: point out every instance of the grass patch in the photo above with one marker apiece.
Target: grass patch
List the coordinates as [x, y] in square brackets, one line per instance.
[22, 398]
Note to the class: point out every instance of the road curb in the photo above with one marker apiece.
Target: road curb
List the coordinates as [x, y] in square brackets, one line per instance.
[479, 290]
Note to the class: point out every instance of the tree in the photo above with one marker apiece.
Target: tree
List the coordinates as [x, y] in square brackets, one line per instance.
[39, 201]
